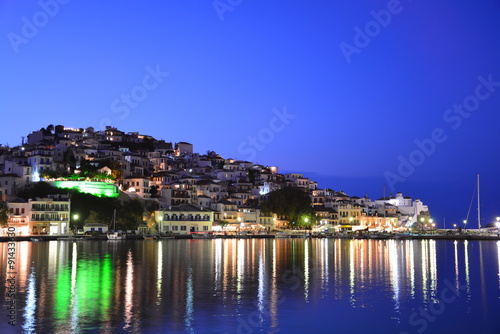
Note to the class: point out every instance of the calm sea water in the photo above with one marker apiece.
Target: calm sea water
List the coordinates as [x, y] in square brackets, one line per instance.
[251, 286]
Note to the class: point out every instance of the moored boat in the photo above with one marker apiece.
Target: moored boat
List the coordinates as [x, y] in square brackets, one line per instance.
[380, 236]
[116, 235]
[202, 235]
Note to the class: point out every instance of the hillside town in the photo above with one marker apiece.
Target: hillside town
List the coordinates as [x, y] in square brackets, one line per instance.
[191, 192]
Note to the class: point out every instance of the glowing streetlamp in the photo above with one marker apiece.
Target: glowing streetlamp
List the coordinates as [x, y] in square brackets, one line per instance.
[160, 218]
[75, 218]
[465, 224]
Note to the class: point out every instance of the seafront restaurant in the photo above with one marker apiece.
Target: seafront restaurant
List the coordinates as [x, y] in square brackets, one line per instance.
[184, 218]
[19, 217]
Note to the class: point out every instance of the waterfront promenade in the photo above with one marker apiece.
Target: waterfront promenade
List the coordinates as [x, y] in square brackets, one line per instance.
[438, 235]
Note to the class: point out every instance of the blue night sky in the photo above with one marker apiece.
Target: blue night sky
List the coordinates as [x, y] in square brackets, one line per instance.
[357, 95]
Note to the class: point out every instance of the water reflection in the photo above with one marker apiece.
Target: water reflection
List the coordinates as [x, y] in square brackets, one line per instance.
[246, 284]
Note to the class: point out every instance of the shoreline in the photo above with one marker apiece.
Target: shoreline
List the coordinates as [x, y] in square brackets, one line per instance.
[262, 236]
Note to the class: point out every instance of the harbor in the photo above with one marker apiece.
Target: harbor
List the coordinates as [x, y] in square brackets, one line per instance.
[436, 235]
[255, 285]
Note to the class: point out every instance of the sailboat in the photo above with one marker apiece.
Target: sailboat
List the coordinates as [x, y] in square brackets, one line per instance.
[481, 234]
[116, 235]
[476, 189]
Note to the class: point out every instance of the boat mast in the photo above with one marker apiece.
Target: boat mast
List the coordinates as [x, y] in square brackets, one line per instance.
[478, 204]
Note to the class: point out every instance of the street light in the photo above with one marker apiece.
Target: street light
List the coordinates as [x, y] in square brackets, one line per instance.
[465, 224]
[75, 218]
[160, 218]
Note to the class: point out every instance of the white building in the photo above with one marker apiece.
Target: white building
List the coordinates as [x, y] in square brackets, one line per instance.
[19, 217]
[50, 215]
[184, 219]
[139, 186]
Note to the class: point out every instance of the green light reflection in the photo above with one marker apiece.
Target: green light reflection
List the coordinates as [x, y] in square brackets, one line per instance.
[93, 294]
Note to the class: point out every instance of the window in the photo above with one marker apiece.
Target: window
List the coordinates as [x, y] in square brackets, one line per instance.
[205, 228]
[165, 228]
[183, 228]
[175, 228]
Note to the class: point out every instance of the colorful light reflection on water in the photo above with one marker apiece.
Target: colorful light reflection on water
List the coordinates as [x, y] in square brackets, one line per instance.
[256, 285]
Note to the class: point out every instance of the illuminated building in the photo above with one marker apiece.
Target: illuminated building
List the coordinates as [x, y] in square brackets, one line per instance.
[50, 215]
[184, 219]
[19, 216]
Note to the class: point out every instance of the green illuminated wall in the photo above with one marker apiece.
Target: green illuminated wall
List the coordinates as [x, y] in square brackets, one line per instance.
[100, 189]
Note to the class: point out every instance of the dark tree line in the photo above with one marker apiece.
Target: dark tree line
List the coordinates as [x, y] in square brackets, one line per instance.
[293, 204]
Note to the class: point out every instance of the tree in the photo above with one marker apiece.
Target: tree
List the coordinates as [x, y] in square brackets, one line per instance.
[223, 223]
[70, 159]
[93, 218]
[41, 189]
[129, 214]
[292, 203]
[252, 202]
[87, 167]
[4, 217]
[116, 174]
[251, 174]
[154, 190]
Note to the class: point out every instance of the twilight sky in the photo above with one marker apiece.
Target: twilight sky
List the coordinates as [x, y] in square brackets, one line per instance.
[354, 94]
